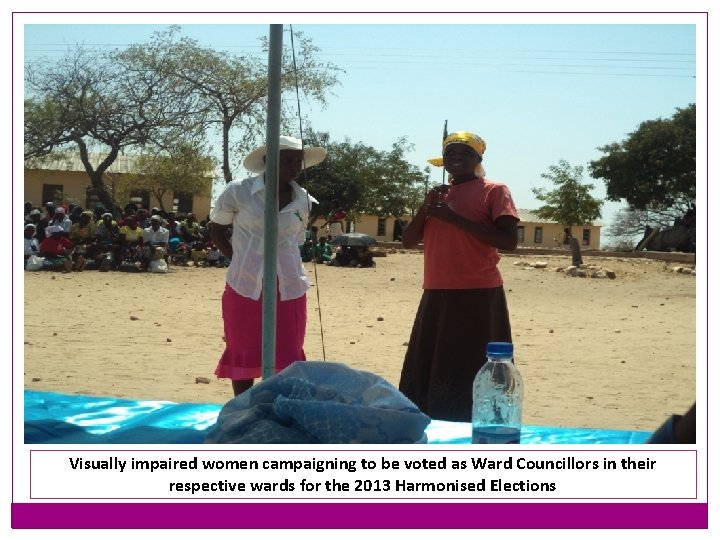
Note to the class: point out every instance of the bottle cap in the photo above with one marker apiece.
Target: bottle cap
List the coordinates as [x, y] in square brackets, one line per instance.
[499, 349]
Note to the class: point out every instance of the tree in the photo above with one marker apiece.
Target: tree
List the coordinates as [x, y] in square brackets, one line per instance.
[168, 89]
[571, 203]
[629, 224]
[396, 184]
[364, 179]
[231, 89]
[655, 166]
[182, 168]
[100, 103]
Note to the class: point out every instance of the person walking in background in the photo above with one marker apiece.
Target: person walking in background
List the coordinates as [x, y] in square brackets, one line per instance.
[336, 220]
[463, 306]
[241, 206]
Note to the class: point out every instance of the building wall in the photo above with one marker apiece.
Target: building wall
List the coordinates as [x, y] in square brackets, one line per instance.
[74, 184]
[375, 225]
[550, 235]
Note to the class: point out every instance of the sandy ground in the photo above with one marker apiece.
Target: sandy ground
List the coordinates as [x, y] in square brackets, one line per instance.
[593, 352]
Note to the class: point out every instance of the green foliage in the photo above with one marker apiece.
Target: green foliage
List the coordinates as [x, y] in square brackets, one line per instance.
[45, 131]
[571, 203]
[231, 90]
[655, 166]
[169, 89]
[365, 180]
[182, 168]
[99, 104]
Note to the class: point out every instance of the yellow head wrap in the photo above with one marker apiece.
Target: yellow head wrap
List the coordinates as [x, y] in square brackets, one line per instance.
[464, 137]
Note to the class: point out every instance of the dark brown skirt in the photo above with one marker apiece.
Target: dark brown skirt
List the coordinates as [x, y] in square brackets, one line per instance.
[447, 348]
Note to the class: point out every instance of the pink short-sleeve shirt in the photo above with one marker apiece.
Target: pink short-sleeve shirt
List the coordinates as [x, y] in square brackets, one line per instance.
[454, 258]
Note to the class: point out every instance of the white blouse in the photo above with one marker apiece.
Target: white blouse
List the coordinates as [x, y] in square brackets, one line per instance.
[242, 205]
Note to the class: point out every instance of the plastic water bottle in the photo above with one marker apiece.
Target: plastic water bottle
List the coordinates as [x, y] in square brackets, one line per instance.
[497, 398]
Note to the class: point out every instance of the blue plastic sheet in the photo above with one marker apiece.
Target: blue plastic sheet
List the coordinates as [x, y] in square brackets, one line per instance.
[52, 418]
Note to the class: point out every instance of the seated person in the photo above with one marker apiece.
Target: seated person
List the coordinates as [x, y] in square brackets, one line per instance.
[190, 230]
[343, 256]
[213, 255]
[362, 258]
[32, 246]
[75, 211]
[34, 217]
[82, 234]
[204, 231]
[306, 251]
[155, 236]
[131, 239]
[172, 225]
[60, 219]
[323, 251]
[58, 249]
[107, 234]
[142, 217]
[130, 209]
[178, 251]
[45, 220]
[198, 253]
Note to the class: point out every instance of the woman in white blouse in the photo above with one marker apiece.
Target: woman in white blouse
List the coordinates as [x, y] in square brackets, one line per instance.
[241, 206]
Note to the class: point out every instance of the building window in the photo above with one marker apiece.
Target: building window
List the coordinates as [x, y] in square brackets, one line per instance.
[381, 226]
[183, 203]
[538, 235]
[586, 237]
[141, 198]
[52, 192]
[521, 234]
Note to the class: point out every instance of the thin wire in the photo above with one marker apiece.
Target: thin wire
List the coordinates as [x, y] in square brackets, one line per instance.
[307, 194]
[445, 134]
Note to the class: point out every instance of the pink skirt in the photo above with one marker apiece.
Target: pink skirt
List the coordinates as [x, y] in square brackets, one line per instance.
[242, 319]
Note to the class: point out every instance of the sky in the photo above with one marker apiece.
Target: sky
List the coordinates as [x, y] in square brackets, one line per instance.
[537, 93]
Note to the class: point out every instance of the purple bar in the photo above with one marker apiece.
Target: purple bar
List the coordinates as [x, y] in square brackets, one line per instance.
[360, 516]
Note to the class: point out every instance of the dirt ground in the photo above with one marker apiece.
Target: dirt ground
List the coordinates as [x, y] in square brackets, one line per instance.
[593, 352]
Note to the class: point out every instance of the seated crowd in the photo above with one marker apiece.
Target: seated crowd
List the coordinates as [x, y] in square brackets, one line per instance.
[73, 238]
[322, 252]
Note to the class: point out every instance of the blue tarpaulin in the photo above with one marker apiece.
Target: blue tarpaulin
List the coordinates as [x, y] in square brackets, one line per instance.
[53, 418]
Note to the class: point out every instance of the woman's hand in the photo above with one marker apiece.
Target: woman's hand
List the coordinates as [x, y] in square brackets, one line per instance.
[440, 210]
[412, 234]
[435, 195]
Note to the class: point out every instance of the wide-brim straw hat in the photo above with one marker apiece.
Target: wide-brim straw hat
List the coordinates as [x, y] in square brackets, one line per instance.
[255, 162]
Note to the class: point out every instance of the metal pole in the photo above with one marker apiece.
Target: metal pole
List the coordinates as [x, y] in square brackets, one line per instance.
[272, 137]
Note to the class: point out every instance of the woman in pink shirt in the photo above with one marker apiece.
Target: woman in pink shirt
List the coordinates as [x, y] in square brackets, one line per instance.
[463, 305]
